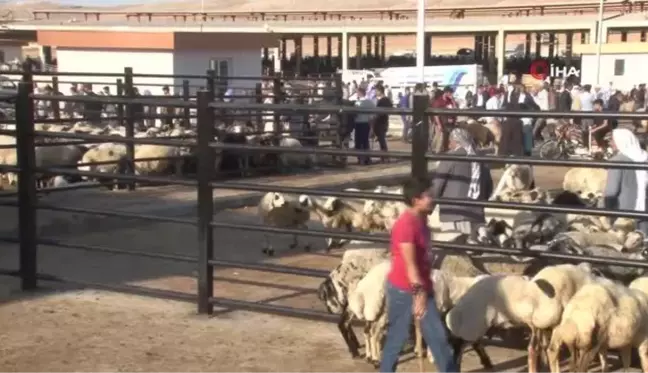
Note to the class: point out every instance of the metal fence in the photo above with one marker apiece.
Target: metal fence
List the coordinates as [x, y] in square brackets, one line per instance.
[207, 111]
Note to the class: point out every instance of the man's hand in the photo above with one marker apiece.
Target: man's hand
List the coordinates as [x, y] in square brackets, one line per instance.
[420, 305]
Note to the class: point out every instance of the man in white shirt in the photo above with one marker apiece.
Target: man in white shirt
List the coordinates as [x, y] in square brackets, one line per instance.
[362, 126]
[587, 98]
[494, 103]
[541, 98]
[587, 104]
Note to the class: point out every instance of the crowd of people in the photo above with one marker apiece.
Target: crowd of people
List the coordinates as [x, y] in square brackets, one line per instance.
[519, 135]
[96, 112]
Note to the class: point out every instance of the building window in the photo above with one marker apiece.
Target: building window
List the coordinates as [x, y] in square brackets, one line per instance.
[619, 67]
[583, 38]
[643, 36]
[220, 66]
[624, 36]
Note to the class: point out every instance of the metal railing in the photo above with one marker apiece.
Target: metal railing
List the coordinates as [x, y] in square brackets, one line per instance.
[207, 111]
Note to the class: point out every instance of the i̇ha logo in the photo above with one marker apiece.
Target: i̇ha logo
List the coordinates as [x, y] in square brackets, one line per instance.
[542, 69]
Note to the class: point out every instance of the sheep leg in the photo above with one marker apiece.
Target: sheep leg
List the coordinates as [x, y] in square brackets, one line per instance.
[643, 356]
[603, 360]
[378, 332]
[575, 356]
[545, 335]
[553, 354]
[531, 349]
[626, 358]
[484, 359]
[457, 345]
[366, 331]
[267, 248]
[344, 326]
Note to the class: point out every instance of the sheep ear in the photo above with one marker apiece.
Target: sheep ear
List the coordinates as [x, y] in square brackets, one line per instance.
[587, 267]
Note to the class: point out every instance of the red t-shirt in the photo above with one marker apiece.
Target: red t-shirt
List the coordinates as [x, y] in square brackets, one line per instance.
[444, 103]
[410, 228]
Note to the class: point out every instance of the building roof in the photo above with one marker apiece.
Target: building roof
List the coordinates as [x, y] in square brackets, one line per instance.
[437, 25]
[476, 17]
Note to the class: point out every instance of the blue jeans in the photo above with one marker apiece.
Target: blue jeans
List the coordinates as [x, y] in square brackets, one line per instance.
[399, 307]
[406, 126]
[361, 139]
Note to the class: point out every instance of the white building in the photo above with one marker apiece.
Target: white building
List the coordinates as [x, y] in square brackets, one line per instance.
[623, 64]
[157, 53]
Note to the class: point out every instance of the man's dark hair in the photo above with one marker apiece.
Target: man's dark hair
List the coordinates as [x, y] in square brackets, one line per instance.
[448, 89]
[380, 89]
[414, 188]
[598, 102]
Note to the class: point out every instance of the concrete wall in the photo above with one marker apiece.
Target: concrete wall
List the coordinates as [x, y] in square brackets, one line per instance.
[114, 61]
[634, 70]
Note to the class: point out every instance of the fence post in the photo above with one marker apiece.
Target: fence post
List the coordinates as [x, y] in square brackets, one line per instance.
[277, 98]
[258, 98]
[186, 96]
[130, 124]
[339, 94]
[27, 198]
[420, 134]
[120, 107]
[211, 83]
[205, 203]
[56, 104]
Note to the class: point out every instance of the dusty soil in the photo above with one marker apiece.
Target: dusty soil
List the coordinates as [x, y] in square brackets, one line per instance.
[89, 330]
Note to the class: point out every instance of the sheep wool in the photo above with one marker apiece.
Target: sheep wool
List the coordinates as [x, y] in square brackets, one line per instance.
[585, 180]
[583, 323]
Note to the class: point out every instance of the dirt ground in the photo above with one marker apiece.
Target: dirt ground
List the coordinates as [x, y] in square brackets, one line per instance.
[76, 329]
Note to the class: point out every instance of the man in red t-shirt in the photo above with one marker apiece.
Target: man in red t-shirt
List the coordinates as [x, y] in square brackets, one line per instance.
[409, 287]
[443, 124]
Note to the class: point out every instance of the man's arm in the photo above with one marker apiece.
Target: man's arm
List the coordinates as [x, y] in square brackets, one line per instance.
[408, 251]
[598, 128]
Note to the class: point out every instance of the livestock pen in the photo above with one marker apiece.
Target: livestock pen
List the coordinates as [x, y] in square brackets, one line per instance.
[208, 296]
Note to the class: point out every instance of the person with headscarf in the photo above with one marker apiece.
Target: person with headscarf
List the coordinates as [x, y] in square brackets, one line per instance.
[512, 135]
[626, 189]
[461, 180]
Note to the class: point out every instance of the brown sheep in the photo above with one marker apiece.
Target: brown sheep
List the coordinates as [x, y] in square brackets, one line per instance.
[484, 135]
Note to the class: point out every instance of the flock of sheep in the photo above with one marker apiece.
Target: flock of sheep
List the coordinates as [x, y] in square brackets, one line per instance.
[588, 309]
[111, 158]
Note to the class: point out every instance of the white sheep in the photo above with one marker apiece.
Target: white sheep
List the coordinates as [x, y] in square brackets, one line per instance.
[358, 259]
[277, 210]
[106, 152]
[513, 301]
[585, 180]
[367, 303]
[153, 167]
[515, 178]
[583, 324]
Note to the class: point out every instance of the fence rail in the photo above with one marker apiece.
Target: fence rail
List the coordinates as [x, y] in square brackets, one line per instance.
[207, 111]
